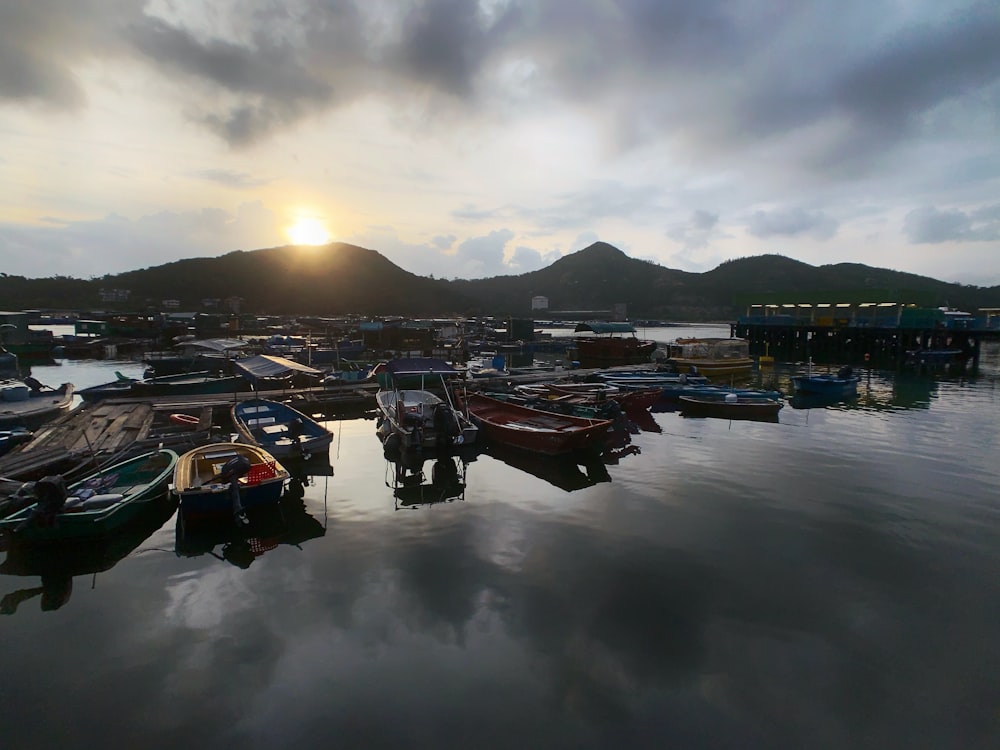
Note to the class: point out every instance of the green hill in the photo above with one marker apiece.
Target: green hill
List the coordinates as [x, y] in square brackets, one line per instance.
[340, 279]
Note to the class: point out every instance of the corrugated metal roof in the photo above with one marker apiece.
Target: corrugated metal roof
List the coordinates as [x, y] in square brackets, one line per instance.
[268, 366]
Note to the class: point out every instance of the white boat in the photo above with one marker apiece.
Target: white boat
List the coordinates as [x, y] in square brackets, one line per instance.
[416, 406]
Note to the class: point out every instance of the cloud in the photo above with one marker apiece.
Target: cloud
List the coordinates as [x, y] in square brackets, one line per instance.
[791, 223]
[696, 231]
[930, 226]
[231, 178]
[68, 247]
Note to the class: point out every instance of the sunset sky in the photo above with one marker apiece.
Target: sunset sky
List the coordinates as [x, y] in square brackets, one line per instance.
[469, 139]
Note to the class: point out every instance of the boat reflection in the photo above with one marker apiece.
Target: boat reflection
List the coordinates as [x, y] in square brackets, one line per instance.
[57, 562]
[569, 472]
[413, 485]
[286, 522]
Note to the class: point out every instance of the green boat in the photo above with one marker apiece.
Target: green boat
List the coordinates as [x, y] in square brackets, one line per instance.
[100, 503]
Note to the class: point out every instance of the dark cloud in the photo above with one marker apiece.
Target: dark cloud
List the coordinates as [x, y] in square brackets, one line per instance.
[930, 226]
[42, 42]
[792, 223]
[695, 232]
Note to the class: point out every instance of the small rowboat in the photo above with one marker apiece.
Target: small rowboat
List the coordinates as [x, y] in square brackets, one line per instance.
[731, 407]
[199, 491]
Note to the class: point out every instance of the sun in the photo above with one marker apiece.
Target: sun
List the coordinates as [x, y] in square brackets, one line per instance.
[308, 231]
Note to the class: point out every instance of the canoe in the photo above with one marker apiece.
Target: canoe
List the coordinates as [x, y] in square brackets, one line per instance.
[103, 501]
[279, 429]
[532, 429]
[198, 492]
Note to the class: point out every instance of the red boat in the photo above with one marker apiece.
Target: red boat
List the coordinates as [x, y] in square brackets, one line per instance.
[534, 430]
[610, 345]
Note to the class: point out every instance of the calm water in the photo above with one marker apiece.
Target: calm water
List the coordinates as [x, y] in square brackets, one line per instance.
[829, 581]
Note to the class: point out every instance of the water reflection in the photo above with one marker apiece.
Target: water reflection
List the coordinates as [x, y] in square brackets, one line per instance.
[569, 472]
[286, 522]
[57, 562]
[418, 479]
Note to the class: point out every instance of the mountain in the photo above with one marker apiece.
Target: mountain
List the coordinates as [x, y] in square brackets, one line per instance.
[340, 279]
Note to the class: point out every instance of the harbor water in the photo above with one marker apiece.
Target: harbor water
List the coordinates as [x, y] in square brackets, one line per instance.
[831, 580]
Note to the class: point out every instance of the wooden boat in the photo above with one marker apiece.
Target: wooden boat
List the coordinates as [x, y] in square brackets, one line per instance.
[843, 384]
[101, 502]
[197, 471]
[418, 416]
[716, 358]
[731, 407]
[611, 345]
[279, 429]
[9, 439]
[535, 430]
[27, 406]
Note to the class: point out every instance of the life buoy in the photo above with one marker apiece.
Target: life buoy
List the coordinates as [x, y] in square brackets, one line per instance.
[184, 419]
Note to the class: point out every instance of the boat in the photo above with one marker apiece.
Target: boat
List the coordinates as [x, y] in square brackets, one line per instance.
[57, 562]
[200, 493]
[731, 406]
[842, 384]
[279, 429]
[715, 358]
[611, 345]
[99, 503]
[532, 429]
[417, 416]
[15, 436]
[185, 384]
[28, 403]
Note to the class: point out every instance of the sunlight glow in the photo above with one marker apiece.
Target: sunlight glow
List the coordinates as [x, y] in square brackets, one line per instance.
[308, 231]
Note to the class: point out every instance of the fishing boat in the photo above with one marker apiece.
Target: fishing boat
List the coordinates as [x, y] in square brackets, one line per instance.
[279, 429]
[28, 403]
[533, 429]
[612, 344]
[843, 384]
[716, 358]
[197, 486]
[731, 406]
[415, 404]
[99, 503]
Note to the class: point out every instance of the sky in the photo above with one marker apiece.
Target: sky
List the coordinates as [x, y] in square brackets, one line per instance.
[466, 139]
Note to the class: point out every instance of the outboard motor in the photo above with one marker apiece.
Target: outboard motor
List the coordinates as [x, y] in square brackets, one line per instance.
[446, 423]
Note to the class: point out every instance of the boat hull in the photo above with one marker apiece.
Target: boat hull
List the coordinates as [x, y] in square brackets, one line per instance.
[756, 409]
[535, 430]
[266, 424]
[199, 495]
[123, 490]
[825, 385]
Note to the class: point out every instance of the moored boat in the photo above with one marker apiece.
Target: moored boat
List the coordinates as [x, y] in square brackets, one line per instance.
[716, 358]
[731, 406]
[279, 429]
[197, 484]
[416, 405]
[30, 404]
[97, 504]
[611, 345]
[843, 384]
[535, 430]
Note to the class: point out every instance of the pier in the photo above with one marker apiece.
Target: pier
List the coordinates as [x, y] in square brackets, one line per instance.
[862, 326]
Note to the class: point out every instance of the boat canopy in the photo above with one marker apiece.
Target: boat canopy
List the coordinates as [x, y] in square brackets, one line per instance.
[215, 345]
[267, 366]
[596, 327]
[420, 366]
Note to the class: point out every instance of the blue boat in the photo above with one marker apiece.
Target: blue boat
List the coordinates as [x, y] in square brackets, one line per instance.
[279, 429]
[843, 384]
